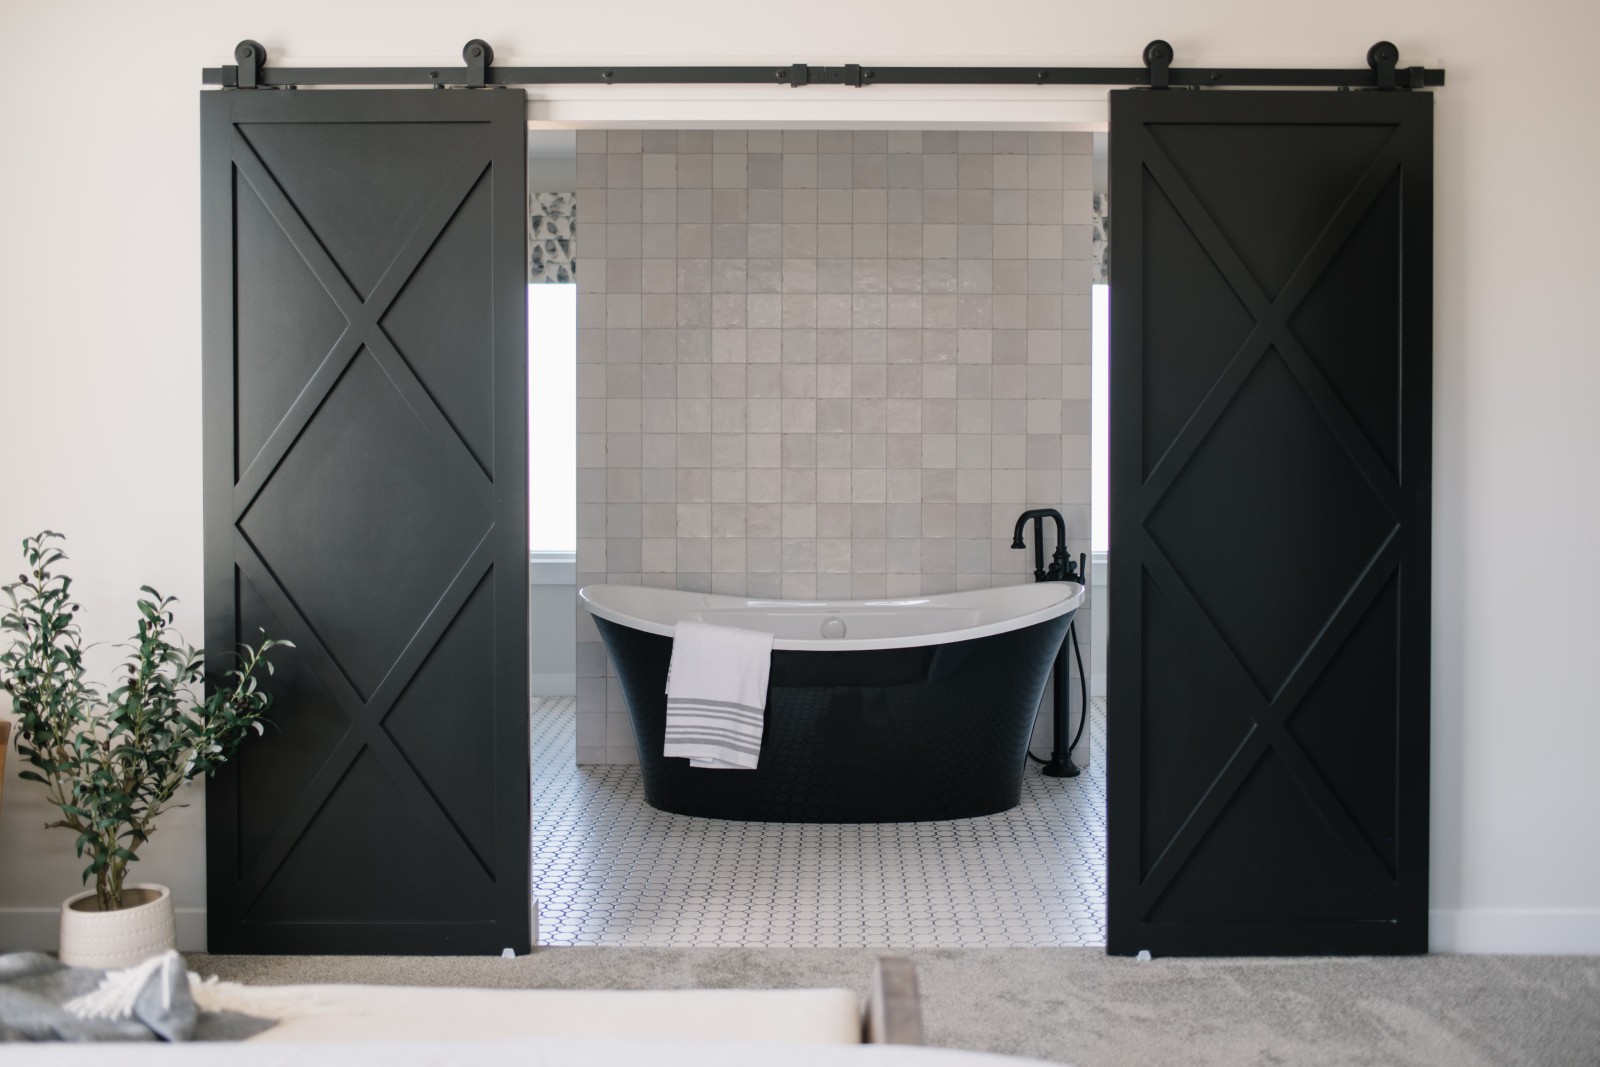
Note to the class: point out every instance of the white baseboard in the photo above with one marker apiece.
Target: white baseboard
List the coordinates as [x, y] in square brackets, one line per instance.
[1478, 932]
[553, 685]
[1542, 933]
[38, 929]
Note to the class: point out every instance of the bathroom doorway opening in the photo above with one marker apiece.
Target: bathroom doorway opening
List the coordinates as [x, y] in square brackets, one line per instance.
[809, 364]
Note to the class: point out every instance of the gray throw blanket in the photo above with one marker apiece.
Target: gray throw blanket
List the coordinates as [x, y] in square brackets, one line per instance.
[35, 988]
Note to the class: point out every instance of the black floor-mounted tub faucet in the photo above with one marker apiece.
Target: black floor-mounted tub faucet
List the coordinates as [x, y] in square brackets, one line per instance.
[1061, 569]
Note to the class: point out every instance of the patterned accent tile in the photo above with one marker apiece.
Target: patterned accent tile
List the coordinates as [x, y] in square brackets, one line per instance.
[608, 869]
[1100, 239]
[552, 233]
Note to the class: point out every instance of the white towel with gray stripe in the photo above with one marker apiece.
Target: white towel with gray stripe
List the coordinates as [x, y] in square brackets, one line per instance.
[717, 695]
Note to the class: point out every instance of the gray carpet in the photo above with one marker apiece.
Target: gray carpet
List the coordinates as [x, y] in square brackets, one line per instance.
[1081, 1007]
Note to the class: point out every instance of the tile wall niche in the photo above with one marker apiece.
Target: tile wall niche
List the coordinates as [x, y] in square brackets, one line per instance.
[824, 364]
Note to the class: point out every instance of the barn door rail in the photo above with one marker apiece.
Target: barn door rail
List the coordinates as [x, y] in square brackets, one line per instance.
[1383, 73]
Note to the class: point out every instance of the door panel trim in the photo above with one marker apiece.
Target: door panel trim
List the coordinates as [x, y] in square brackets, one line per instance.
[495, 884]
[1137, 881]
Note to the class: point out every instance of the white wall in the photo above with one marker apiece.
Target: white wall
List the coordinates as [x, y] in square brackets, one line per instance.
[552, 639]
[99, 331]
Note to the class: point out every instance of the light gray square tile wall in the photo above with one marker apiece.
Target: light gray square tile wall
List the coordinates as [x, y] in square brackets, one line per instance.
[824, 364]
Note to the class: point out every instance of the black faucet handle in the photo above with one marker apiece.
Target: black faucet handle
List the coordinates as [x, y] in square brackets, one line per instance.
[1077, 570]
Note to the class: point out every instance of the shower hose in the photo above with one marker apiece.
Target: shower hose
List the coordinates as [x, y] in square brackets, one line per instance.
[1083, 690]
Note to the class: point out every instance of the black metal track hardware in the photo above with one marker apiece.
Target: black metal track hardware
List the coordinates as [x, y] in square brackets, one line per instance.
[1158, 57]
[250, 71]
[478, 55]
[252, 57]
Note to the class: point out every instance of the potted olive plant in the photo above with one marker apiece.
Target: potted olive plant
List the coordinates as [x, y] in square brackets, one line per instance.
[112, 761]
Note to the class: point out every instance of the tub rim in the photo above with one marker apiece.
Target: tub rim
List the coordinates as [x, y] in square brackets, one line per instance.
[1057, 599]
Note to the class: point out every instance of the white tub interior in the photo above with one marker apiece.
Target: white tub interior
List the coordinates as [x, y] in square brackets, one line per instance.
[874, 621]
[841, 625]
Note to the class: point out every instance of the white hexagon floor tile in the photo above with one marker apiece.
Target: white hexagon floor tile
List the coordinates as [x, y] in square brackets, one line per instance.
[608, 869]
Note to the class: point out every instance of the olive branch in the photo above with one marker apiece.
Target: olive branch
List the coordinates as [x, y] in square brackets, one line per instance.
[112, 762]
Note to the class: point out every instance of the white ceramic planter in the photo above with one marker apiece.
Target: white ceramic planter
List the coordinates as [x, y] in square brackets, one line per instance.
[121, 938]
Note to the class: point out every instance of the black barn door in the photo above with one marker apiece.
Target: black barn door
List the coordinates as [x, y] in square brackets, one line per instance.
[366, 459]
[1270, 480]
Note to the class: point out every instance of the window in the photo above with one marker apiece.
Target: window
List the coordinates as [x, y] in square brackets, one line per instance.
[552, 418]
[1100, 415]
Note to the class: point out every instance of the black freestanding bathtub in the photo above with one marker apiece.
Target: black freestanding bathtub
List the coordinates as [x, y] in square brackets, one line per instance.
[911, 709]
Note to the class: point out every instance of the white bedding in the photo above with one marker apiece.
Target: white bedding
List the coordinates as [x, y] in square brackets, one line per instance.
[410, 1013]
[535, 1052]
